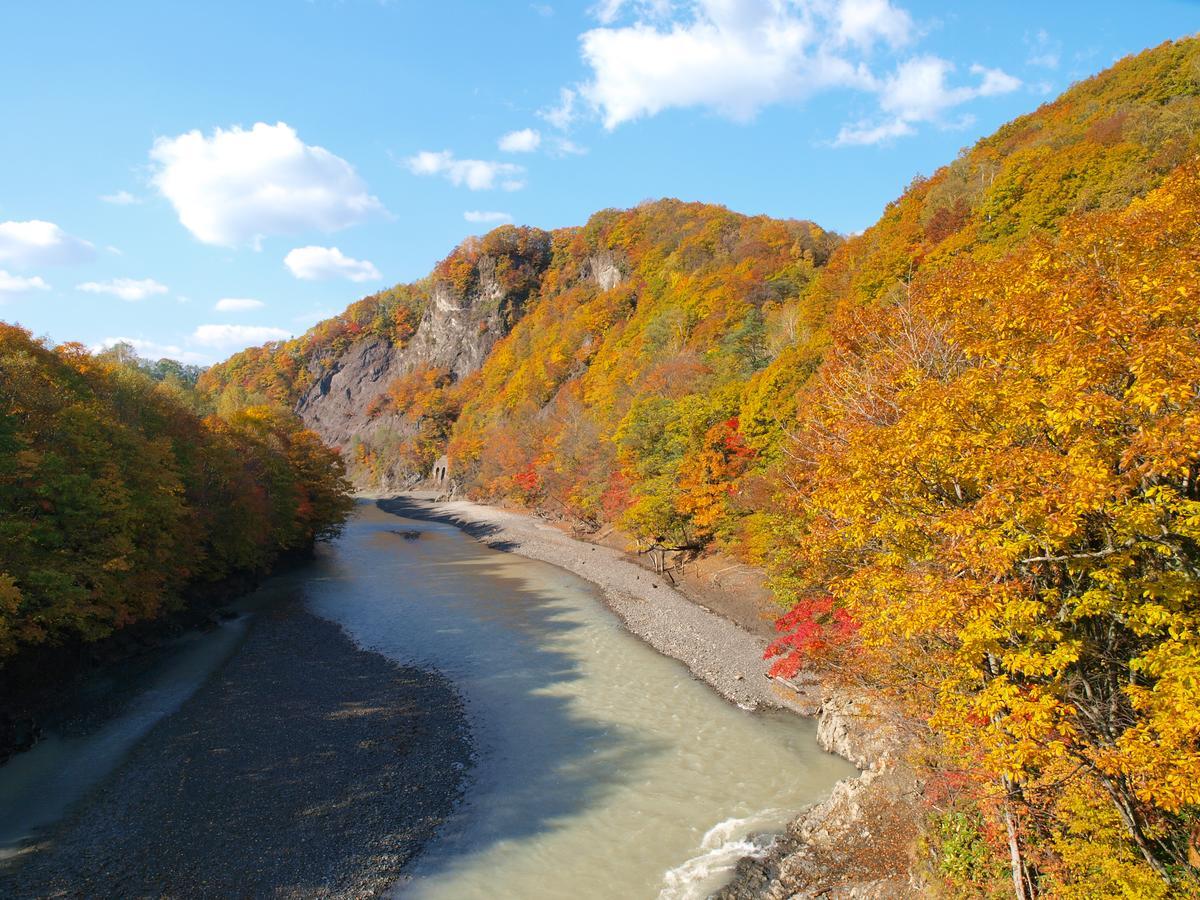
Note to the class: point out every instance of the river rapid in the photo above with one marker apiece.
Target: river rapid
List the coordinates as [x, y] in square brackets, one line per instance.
[597, 767]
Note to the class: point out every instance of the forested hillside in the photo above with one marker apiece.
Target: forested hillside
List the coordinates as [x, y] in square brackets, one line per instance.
[964, 444]
[117, 491]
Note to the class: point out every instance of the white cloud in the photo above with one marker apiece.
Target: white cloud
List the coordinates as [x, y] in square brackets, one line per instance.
[12, 285]
[864, 22]
[320, 263]
[486, 216]
[38, 243]
[560, 146]
[121, 198]
[475, 174]
[238, 186]
[524, 141]
[151, 349]
[868, 133]
[608, 11]
[544, 10]
[1043, 51]
[919, 92]
[520, 142]
[237, 304]
[562, 115]
[735, 57]
[237, 336]
[130, 289]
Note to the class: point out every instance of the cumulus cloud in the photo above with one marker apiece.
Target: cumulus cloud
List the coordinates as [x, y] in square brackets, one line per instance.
[321, 263]
[484, 216]
[475, 174]
[14, 285]
[524, 141]
[38, 243]
[237, 337]
[735, 57]
[237, 186]
[237, 304]
[121, 198]
[131, 289]
[920, 91]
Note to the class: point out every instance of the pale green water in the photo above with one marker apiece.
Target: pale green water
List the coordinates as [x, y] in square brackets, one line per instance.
[605, 769]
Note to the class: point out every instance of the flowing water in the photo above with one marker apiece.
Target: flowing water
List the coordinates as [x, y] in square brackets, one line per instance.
[603, 769]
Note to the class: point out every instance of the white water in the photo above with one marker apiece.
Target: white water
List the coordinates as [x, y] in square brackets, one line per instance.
[604, 769]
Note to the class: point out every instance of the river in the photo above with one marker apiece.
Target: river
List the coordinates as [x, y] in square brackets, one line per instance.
[600, 768]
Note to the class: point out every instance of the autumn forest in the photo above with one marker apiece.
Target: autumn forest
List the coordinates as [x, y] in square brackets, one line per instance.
[963, 445]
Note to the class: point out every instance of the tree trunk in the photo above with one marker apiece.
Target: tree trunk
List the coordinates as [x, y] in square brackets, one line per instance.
[1023, 888]
[1127, 810]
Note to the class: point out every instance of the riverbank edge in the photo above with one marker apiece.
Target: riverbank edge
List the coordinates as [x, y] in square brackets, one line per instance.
[40, 680]
[858, 842]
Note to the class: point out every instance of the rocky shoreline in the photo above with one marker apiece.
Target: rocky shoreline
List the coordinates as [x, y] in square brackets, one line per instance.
[855, 844]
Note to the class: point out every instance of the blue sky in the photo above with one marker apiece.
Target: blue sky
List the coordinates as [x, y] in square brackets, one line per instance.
[197, 177]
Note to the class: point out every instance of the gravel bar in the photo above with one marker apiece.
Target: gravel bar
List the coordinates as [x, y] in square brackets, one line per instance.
[305, 767]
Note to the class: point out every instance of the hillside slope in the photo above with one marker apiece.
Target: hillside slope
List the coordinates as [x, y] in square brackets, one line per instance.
[649, 365]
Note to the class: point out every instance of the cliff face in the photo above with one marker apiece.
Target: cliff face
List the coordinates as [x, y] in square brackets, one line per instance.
[457, 331]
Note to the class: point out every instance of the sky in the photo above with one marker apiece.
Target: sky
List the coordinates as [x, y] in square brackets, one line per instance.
[196, 177]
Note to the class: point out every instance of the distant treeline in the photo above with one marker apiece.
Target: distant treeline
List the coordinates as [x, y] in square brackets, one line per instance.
[118, 491]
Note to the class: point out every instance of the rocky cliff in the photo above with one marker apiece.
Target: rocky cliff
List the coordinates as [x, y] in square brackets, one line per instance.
[461, 324]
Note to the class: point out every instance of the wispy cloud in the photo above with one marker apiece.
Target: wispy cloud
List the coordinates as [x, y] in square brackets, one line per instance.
[474, 174]
[237, 304]
[483, 216]
[130, 289]
[121, 198]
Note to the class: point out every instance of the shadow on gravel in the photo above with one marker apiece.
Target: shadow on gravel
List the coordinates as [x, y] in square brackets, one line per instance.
[304, 768]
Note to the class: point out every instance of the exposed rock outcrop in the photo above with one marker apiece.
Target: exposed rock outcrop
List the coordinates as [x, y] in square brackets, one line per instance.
[856, 844]
[604, 269]
[456, 333]
[335, 406]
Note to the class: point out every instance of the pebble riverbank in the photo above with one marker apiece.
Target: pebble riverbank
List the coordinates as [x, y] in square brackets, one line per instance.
[304, 767]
